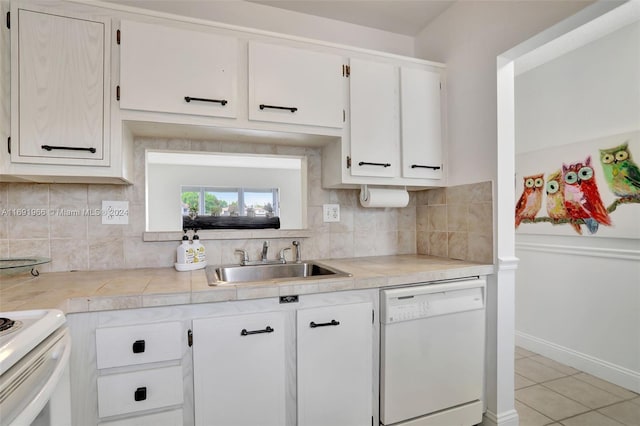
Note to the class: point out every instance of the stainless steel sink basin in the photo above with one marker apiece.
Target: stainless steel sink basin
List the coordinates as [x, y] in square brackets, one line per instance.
[232, 274]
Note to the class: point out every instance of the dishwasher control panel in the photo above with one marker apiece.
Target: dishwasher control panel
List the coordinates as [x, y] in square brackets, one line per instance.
[428, 300]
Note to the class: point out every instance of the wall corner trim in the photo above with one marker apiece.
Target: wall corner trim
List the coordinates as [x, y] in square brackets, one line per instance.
[508, 263]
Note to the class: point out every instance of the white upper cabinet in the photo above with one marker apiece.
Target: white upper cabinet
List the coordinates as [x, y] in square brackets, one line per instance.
[374, 119]
[169, 69]
[295, 86]
[60, 89]
[421, 123]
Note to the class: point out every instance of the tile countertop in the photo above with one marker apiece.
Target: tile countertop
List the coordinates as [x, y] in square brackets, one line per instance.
[86, 291]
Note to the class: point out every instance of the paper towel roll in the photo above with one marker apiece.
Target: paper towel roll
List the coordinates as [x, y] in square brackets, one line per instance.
[382, 197]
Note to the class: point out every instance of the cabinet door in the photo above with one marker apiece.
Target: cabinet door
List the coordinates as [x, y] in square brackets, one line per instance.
[239, 374]
[335, 356]
[421, 125]
[375, 135]
[161, 66]
[59, 89]
[289, 85]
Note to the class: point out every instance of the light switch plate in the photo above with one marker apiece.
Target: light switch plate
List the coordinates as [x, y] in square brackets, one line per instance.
[331, 212]
[115, 212]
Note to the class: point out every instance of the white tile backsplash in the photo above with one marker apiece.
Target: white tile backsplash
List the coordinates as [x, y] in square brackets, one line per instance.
[83, 243]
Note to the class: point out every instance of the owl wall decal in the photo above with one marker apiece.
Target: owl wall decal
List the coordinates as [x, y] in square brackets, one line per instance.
[530, 201]
[581, 196]
[555, 199]
[621, 172]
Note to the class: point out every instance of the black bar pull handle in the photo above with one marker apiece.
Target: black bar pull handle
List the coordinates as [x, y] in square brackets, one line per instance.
[324, 324]
[138, 346]
[244, 331]
[68, 148]
[364, 163]
[222, 102]
[292, 109]
[418, 166]
[140, 394]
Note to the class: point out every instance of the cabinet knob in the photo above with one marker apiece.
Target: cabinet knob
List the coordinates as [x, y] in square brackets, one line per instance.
[140, 394]
[138, 346]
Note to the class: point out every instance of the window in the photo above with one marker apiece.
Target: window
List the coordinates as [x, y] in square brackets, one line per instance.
[211, 201]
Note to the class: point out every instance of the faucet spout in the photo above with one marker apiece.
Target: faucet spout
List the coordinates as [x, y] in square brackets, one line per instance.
[265, 248]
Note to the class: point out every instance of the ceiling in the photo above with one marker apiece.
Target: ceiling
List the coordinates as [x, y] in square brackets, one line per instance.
[407, 17]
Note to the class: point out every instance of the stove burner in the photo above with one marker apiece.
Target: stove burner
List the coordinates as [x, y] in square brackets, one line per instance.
[8, 325]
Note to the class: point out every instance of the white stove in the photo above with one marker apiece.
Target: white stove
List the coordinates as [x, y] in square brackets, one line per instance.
[34, 376]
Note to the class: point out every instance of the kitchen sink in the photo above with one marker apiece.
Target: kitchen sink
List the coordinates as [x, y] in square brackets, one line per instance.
[233, 274]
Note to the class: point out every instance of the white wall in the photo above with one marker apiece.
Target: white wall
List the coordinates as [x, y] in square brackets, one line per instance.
[578, 298]
[268, 18]
[468, 37]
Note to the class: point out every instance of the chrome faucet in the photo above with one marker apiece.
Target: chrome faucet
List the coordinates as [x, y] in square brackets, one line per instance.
[298, 251]
[281, 256]
[265, 248]
[245, 256]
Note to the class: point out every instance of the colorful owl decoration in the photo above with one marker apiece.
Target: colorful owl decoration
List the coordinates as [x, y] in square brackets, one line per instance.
[621, 172]
[530, 201]
[555, 199]
[581, 196]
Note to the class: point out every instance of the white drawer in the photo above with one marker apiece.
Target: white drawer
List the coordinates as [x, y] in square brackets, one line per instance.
[166, 418]
[138, 344]
[160, 387]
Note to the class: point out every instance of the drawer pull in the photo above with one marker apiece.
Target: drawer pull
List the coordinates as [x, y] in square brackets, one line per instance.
[324, 324]
[68, 148]
[364, 163]
[222, 102]
[292, 109]
[140, 394]
[138, 346]
[418, 166]
[244, 331]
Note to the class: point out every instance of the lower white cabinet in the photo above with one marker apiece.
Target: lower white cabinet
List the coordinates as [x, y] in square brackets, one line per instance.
[334, 353]
[239, 365]
[294, 361]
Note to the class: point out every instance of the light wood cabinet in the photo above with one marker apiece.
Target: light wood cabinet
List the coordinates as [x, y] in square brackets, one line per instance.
[60, 89]
[239, 370]
[295, 86]
[335, 361]
[176, 70]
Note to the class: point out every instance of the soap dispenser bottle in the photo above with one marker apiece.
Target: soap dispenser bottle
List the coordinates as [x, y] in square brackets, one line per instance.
[185, 252]
[198, 249]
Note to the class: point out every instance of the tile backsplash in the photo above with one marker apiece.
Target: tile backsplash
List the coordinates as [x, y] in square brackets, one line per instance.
[454, 222]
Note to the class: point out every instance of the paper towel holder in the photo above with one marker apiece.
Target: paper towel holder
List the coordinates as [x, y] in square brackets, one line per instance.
[363, 190]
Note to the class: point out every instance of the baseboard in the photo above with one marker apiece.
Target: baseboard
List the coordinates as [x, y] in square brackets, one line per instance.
[508, 418]
[604, 370]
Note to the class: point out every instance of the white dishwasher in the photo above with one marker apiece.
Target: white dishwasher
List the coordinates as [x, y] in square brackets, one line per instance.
[432, 354]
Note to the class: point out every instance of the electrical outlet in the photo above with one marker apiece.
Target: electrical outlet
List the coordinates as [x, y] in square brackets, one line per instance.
[331, 212]
[115, 212]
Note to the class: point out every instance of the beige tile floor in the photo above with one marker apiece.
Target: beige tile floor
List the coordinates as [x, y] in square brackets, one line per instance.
[550, 393]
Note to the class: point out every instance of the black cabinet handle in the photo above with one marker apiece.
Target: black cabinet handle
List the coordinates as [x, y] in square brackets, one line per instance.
[138, 346]
[140, 394]
[364, 163]
[244, 331]
[222, 102]
[292, 109]
[68, 148]
[325, 324]
[418, 166]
